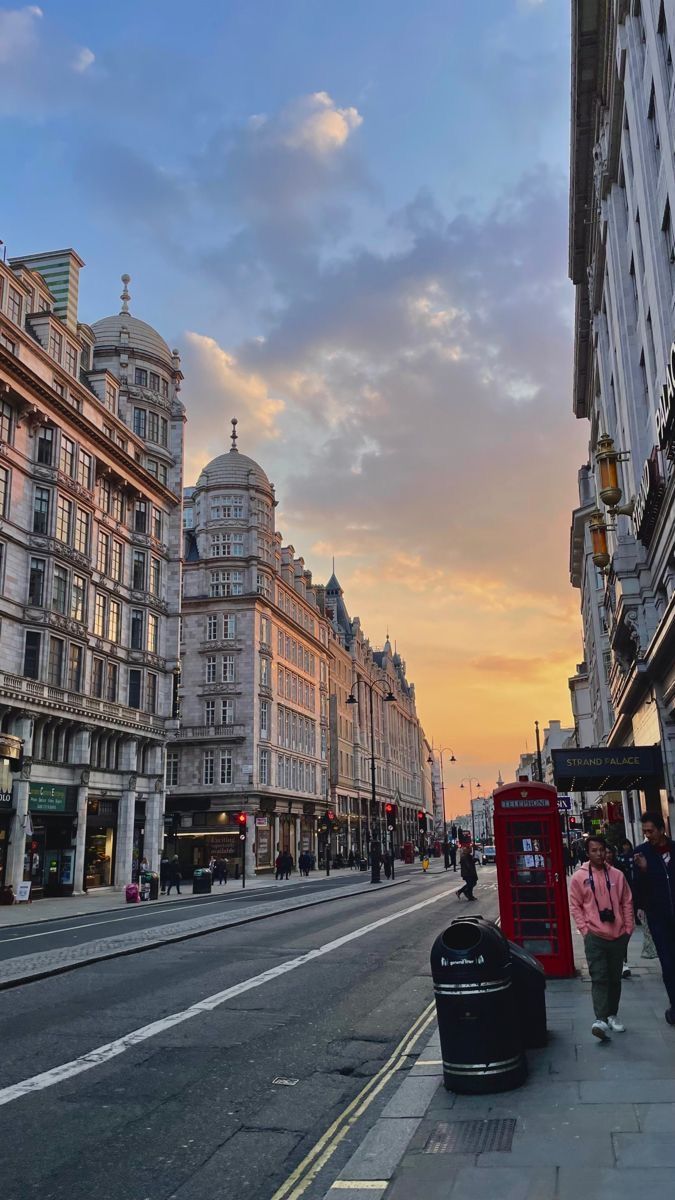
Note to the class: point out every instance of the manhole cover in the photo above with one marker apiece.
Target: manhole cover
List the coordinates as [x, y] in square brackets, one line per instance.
[471, 1137]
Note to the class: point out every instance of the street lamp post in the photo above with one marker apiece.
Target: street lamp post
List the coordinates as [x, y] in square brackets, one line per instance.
[430, 760]
[471, 779]
[352, 699]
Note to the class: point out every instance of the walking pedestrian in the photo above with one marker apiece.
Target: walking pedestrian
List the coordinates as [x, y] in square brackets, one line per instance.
[173, 876]
[350, 860]
[655, 893]
[386, 863]
[602, 908]
[163, 873]
[219, 871]
[279, 865]
[453, 856]
[287, 864]
[567, 858]
[467, 868]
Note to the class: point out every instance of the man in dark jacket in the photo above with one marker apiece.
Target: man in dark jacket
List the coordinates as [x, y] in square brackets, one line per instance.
[467, 866]
[654, 884]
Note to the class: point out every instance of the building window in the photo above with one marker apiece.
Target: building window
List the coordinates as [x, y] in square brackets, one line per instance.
[55, 344]
[264, 586]
[117, 561]
[67, 456]
[36, 581]
[210, 712]
[211, 669]
[151, 693]
[141, 517]
[31, 655]
[71, 360]
[154, 381]
[208, 761]
[153, 427]
[84, 469]
[75, 659]
[172, 768]
[64, 518]
[14, 305]
[264, 719]
[226, 583]
[60, 589]
[55, 663]
[134, 688]
[138, 571]
[226, 766]
[117, 507]
[40, 507]
[111, 397]
[141, 377]
[137, 629]
[211, 629]
[97, 678]
[264, 672]
[157, 524]
[115, 621]
[82, 522]
[265, 631]
[78, 597]
[229, 626]
[155, 576]
[164, 431]
[100, 614]
[140, 422]
[228, 668]
[153, 633]
[111, 684]
[227, 712]
[45, 445]
[102, 552]
[6, 421]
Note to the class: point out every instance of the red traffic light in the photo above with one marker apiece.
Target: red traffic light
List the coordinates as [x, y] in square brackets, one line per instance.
[330, 815]
[388, 808]
[420, 815]
[241, 818]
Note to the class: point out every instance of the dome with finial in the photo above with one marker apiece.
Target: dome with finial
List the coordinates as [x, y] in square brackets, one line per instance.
[234, 469]
[139, 335]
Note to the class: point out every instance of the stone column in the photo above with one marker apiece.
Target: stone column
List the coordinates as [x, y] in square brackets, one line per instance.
[23, 728]
[154, 826]
[125, 834]
[81, 837]
[250, 841]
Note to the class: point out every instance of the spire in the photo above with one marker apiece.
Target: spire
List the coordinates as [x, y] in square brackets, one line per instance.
[125, 297]
[233, 435]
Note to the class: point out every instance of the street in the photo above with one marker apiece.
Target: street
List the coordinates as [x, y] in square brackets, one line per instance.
[190, 1106]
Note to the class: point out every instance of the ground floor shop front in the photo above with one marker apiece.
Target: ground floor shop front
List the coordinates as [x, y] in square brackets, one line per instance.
[201, 835]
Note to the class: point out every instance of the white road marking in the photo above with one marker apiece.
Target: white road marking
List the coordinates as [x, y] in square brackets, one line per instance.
[104, 1054]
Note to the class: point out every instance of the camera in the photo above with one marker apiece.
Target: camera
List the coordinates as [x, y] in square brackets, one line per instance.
[607, 915]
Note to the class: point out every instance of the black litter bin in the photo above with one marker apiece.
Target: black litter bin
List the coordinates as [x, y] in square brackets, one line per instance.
[481, 1038]
[201, 882]
[149, 885]
[529, 984]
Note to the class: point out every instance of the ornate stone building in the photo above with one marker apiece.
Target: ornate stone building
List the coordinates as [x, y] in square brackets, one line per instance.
[91, 453]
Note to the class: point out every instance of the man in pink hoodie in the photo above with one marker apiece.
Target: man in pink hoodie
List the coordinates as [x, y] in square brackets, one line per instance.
[602, 908]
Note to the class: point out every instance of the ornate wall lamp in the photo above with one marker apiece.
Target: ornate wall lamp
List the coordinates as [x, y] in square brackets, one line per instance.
[609, 491]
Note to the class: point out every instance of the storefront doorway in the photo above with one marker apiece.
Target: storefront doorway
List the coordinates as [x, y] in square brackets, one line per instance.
[49, 855]
[100, 842]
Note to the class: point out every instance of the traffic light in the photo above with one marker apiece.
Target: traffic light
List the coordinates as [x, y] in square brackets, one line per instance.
[572, 821]
[330, 820]
[240, 820]
[391, 816]
[422, 821]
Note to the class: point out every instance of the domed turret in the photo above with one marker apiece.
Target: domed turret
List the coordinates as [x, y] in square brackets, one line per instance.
[234, 469]
[125, 332]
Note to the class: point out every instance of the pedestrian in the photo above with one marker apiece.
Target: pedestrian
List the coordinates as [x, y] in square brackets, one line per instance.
[288, 864]
[219, 871]
[567, 858]
[173, 876]
[602, 908]
[453, 856]
[163, 873]
[144, 865]
[580, 852]
[467, 868]
[279, 865]
[386, 863]
[351, 860]
[655, 894]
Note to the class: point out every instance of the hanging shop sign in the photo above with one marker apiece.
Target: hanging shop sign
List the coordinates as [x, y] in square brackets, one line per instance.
[665, 413]
[649, 498]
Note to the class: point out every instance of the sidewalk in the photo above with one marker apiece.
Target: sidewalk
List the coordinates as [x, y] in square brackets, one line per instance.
[593, 1120]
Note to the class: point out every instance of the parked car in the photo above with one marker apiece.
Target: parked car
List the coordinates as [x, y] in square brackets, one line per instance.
[489, 854]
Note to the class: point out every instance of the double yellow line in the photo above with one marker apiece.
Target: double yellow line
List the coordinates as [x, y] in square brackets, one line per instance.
[323, 1150]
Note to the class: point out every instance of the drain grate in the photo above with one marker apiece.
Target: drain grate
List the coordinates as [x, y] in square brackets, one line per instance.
[471, 1137]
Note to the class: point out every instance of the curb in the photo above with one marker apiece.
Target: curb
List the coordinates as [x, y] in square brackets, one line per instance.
[124, 952]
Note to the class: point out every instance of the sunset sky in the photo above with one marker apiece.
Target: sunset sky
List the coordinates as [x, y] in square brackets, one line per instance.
[352, 221]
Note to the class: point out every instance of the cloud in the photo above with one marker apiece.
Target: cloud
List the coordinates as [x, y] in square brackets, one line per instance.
[33, 48]
[18, 32]
[83, 59]
[219, 390]
[315, 123]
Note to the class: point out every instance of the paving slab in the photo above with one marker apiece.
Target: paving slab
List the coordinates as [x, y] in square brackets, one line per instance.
[644, 1149]
[503, 1183]
[656, 1118]
[597, 1183]
[413, 1096]
[381, 1150]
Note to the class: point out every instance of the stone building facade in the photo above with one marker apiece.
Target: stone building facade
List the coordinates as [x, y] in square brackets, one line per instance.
[269, 661]
[90, 544]
[622, 262]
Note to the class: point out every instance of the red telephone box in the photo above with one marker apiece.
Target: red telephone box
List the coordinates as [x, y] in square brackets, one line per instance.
[531, 875]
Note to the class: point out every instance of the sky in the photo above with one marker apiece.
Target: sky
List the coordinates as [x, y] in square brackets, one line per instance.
[352, 221]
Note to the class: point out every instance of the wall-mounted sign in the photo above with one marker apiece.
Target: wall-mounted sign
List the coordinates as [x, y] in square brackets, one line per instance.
[665, 413]
[601, 766]
[49, 798]
[649, 498]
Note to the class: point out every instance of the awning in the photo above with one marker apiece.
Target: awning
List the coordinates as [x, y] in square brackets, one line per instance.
[616, 768]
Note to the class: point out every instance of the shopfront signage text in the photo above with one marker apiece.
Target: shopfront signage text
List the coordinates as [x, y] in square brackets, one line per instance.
[579, 769]
[48, 797]
[6, 798]
[665, 413]
[543, 803]
[649, 498]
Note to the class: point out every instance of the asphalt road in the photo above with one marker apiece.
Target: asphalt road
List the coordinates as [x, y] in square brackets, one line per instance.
[192, 1110]
[54, 934]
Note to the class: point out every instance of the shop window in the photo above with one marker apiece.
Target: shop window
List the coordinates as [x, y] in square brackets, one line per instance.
[99, 853]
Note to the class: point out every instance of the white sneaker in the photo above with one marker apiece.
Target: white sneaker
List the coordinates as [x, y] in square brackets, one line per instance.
[600, 1029]
[625, 971]
[615, 1024]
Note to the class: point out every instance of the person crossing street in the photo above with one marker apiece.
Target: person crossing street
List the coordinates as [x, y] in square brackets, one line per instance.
[602, 909]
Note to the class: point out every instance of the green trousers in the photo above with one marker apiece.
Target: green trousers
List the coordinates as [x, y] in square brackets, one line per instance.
[605, 963]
